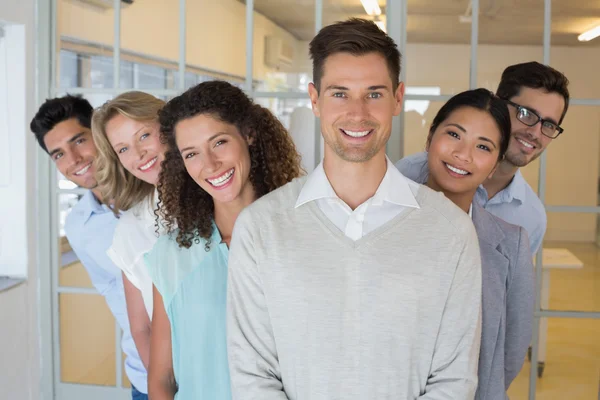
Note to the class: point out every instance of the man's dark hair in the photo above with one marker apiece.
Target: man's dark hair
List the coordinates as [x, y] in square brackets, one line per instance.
[535, 76]
[357, 37]
[57, 110]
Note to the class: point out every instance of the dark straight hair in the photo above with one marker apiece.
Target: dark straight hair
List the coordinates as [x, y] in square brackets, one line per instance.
[480, 99]
[57, 110]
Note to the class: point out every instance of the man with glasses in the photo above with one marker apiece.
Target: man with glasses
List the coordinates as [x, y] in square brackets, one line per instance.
[537, 98]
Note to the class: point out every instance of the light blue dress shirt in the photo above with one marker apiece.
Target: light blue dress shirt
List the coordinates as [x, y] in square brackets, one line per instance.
[89, 229]
[516, 204]
[193, 286]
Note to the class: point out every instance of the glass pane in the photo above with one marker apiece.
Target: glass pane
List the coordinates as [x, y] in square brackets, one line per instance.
[571, 270]
[297, 117]
[438, 45]
[83, 31]
[418, 115]
[567, 158]
[211, 54]
[191, 80]
[97, 72]
[571, 361]
[149, 38]
[569, 20]
[87, 344]
[149, 77]
[282, 31]
[68, 69]
[126, 382]
[71, 272]
[500, 47]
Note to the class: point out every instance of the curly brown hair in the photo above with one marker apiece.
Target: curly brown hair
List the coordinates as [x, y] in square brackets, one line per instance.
[274, 160]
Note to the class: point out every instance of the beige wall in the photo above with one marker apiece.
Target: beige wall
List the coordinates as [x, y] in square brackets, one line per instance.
[215, 31]
[216, 40]
[19, 351]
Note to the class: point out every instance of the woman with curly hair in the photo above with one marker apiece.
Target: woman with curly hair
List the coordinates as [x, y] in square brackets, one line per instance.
[223, 153]
[126, 132]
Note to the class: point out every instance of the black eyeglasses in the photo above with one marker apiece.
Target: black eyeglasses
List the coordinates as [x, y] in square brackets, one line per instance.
[530, 118]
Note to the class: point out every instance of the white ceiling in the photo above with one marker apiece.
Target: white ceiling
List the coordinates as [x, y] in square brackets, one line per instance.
[437, 21]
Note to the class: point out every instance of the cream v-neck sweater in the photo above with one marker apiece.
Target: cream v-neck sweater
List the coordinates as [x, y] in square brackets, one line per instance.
[314, 315]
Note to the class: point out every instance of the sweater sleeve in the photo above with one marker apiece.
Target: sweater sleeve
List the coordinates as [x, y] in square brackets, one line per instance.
[519, 310]
[453, 373]
[253, 361]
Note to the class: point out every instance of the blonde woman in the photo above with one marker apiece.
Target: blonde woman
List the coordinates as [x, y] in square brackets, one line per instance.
[127, 134]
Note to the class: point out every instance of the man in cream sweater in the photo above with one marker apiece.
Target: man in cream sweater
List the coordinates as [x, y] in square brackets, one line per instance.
[354, 282]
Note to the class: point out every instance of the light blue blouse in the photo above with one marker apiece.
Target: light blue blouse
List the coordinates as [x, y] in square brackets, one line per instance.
[193, 285]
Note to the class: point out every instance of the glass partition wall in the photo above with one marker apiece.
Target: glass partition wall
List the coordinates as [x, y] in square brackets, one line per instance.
[100, 48]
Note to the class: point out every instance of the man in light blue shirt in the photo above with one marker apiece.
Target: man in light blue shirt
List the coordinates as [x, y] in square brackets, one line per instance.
[537, 97]
[62, 128]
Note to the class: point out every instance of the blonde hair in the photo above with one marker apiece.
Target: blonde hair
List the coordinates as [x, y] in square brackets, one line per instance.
[118, 186]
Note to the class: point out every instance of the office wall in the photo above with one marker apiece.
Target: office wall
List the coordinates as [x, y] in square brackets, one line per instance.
[216, 40]
[215, 31]
[19, 351]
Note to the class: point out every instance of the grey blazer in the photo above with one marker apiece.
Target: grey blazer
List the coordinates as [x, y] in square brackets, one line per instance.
[507, 303]
[507, 293]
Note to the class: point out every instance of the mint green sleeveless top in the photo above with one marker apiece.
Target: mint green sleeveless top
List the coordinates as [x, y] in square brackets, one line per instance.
[193, 285]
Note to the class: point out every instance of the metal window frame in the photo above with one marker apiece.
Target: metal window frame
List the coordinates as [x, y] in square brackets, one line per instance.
[47, 85]
[48, 254]
[45, 17]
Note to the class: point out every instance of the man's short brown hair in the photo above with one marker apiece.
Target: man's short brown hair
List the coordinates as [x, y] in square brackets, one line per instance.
[357, 37]
[535, 76]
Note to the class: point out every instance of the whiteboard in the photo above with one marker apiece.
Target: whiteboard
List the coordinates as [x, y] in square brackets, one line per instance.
[14, 132]
[4, 115]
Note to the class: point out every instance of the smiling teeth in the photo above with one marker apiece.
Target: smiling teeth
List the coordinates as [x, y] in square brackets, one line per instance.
[83, 170]
[454, 169]
[524, 143]
[356, 134]
[148, 164]
[223, 179]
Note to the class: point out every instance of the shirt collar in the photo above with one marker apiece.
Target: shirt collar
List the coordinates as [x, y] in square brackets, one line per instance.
[91, 205]
[516, 189]
[393, 188]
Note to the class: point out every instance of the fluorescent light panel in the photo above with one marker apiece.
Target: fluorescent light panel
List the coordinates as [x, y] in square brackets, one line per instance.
[381, 25]
[371, 7]
[589, 35]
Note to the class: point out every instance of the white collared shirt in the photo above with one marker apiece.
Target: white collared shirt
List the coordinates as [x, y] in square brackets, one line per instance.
[135, 235]
[393, 196]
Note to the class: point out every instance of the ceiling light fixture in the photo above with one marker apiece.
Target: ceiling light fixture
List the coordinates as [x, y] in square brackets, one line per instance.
[380, 23]
[589, 34]
[371, 7]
